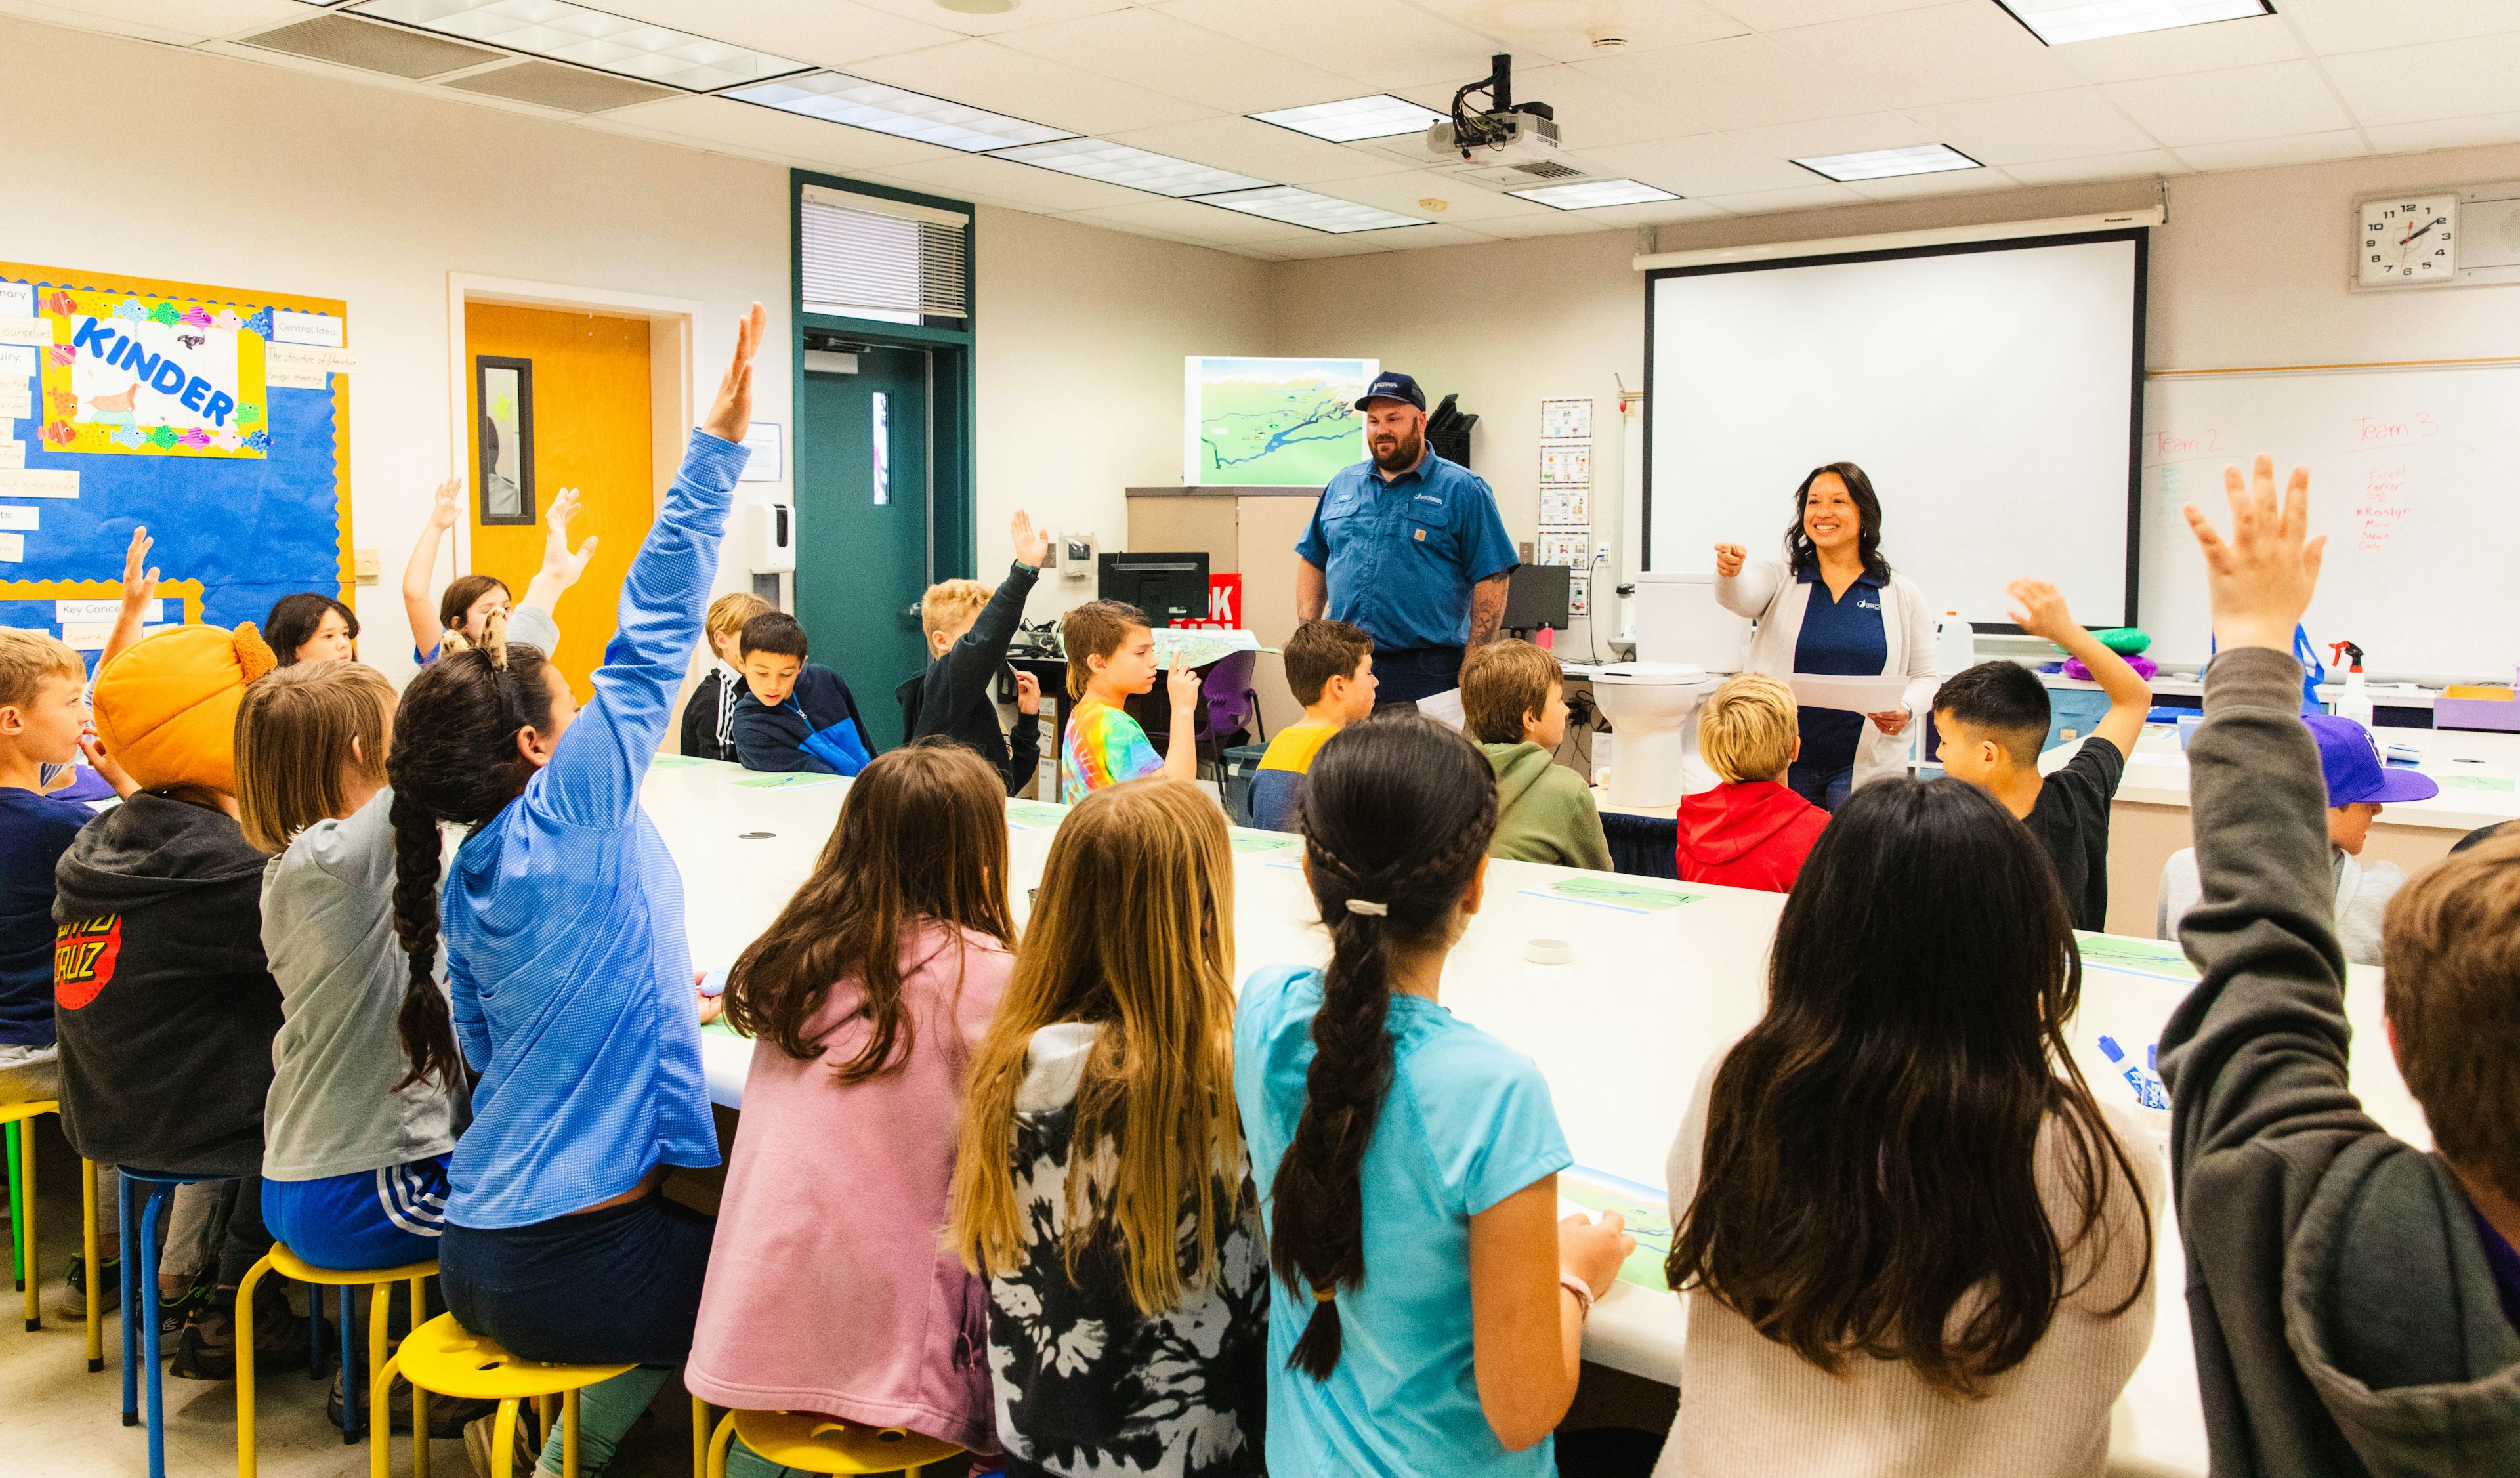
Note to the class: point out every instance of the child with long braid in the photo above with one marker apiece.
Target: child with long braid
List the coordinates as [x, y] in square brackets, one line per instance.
[1430, 1305]
[570, 979]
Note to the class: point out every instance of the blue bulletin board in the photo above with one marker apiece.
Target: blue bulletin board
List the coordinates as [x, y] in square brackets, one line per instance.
[244, 506]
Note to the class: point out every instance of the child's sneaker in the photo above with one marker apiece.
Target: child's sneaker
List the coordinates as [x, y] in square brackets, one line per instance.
[109, 1293]
[209, 1350]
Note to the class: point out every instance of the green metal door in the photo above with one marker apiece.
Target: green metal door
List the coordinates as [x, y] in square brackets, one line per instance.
[862, 546]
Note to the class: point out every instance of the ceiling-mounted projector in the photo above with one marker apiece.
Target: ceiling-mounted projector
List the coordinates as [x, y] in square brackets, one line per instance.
[1504, 132]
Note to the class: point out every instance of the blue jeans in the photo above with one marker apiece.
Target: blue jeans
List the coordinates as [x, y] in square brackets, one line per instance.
[1406, 675]
[1824, 788]
[617, 1286]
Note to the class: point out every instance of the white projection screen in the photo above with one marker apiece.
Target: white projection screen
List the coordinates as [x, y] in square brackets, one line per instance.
[1992, 391]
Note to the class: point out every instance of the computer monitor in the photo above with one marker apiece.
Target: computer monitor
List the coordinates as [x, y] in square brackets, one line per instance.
[1167, 587]
[1536, 596]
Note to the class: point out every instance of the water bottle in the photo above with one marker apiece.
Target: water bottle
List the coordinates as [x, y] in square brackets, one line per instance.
[1954, 645]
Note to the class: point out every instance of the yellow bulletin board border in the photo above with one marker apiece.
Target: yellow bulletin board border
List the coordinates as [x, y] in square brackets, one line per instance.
[82, 280]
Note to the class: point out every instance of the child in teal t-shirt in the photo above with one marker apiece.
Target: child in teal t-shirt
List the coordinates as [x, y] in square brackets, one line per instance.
[1372, 1350]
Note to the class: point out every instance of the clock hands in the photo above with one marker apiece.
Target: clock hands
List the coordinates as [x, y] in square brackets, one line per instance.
[2418, 231]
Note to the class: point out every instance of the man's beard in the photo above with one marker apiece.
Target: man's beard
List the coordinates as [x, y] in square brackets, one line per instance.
[1404, 455]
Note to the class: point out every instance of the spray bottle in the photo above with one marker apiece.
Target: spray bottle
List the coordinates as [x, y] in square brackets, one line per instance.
[2355, 702]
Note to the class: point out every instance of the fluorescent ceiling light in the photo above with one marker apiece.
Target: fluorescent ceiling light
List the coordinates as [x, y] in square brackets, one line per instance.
[1592, 195]
[2058, 21]
[1882, 164]
[1136, 168]
[1314, 212]
[566, 32]
[897, 111]
[1349, 119]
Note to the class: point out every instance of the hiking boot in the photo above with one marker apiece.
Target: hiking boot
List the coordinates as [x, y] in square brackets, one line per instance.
[482, 1431]
[109, 1295]
[208, 1349]
[447, 1415]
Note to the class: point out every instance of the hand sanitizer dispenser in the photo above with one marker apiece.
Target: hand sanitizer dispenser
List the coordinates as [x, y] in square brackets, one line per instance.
[770, 537]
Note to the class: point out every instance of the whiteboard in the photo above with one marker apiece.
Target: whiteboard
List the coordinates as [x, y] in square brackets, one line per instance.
[1989, 391]
[2415, 479]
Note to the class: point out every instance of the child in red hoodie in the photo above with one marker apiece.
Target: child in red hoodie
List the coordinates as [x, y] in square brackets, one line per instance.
[1750, 831]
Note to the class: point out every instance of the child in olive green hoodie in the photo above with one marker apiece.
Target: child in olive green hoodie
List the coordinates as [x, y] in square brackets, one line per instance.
[1514, 700]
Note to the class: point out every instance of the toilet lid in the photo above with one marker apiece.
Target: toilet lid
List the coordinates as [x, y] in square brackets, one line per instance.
[1652, 674]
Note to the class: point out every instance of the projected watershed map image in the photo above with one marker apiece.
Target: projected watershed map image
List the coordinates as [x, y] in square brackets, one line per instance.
[1274, 421]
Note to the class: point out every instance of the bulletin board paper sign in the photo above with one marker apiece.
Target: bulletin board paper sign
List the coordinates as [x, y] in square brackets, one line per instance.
[16, 361]
[302, 360]
[1568, 462]
[1566, 419]
[17, 299]
[38, 482]
[290, 327]
[296, 380]
[16, 406]
[769, 449]
[24, 519]
[1626, 895]
[1574, 549]
[108, 611]
[26, 329]
[1566, 507]
[168, 377]
[1579, 595]
[12, 548]
[1849, 695]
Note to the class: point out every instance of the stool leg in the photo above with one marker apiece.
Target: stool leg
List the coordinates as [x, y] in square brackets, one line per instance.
[567, 1434]
[88, 1249]
[34, 1276]
[380, 1315]
[381, 1426]
[315, 1331]
[347, 1307]
[503, 1441]
[17, 1204]
[545, 1408]
[718, 1446]
[418, 1397]
[128, 1229]
[245, 1366]
[156, 1373]
[699, 1438]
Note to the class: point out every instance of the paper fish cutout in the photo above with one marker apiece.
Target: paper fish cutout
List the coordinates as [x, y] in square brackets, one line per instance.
[61, 354]
[197, 317]
[64, 403]
[227, 319]
[60, 433]
[129, 435]
[130, 308]
[260, 323]
[259, 441]
[227, 440]
[248, 412]
[59, 303]
[193, 436]
[165, 313]
[161, 436]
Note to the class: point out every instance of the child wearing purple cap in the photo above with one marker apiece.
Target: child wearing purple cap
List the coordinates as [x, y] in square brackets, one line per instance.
[2358, 784]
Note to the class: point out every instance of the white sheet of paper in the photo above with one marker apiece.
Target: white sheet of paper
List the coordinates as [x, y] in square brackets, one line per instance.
[17, 299]
[16, 361]
[290, 327]
[13, 456]
[1854, 694]
[43, 483]
[106, 610]
[12, 548]
[26, 518]
[1445, 708]
[92, 636]
[17, 402]
[18, 330]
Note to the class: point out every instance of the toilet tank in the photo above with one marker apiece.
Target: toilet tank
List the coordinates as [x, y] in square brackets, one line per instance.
[1677, 621]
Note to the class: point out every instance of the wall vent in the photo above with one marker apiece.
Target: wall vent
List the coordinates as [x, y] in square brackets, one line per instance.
[548, 84]
[369, 47]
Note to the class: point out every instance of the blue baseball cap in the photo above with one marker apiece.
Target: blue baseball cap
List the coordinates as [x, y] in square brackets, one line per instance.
[1391, 385]
[2351, 760]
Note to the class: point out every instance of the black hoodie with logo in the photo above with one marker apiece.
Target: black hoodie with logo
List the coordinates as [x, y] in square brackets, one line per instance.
[165, 1004]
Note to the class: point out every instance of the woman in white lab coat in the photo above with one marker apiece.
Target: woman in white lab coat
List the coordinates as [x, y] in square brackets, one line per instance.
[1832, 606]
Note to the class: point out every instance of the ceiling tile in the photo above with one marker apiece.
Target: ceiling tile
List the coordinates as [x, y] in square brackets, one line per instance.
[1191, 221]
[986, 75]
[2270, 153]
[1860, 133]
[1948, 53]
[1271, 153]
[1182, 60]
[1783, 15]
[2447, 133]
[2349, 26]
[2221, 106]
[2446, 79]
[1029, 13]
[2184, 49]
[1315, 244]
[1702, 165]
[1564, 29]
[826, 33]
[1819, 195]
[177, 23]
[1907, 187]
[2070, 123]
[1002, 182]
[1463, 201]
[1651, 213]
[725, 122]
[1746, 82]
[2142, 163]
[1590, 112]
[1511, 228]
[1377, 42]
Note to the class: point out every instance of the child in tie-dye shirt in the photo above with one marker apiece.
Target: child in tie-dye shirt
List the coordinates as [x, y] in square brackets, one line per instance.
[1110, 655]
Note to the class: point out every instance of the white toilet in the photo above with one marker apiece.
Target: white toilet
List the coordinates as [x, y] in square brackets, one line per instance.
[1652, 710]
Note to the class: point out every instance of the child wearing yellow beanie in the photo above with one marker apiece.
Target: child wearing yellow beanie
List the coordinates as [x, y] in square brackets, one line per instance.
[165, 1004]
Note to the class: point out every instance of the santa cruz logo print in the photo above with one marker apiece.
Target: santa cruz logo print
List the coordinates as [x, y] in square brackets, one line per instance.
[83, 956]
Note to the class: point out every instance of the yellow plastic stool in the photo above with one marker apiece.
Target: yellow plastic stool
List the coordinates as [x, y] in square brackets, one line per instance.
[379, 1283]
[443, 1357]
[22, 1115]
[821, 1445]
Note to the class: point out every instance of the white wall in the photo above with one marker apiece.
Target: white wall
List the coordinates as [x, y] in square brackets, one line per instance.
[1081, 334]
[280, 180]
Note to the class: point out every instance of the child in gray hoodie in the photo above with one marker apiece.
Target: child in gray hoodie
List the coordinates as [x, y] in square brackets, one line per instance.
[2354, 1299]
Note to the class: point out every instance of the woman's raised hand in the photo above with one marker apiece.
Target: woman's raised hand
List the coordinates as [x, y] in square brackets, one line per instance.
[1728, 559]
[730, 416]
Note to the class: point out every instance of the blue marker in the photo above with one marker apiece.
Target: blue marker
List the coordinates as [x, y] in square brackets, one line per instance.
[2146, 1080]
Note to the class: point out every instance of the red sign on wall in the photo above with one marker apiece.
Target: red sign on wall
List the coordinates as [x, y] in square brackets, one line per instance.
[1224, 604]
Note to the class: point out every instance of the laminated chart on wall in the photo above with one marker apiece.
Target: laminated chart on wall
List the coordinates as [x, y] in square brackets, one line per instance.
[1574, 549]
[216, 417]
[1565, 506]
[1566, 419]
[1565, 462]
[1579, 595]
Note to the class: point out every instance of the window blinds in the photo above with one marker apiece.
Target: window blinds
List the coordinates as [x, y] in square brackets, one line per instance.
[865, 258]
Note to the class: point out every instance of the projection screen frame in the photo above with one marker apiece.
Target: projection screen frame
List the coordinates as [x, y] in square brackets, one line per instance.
[2139, 236]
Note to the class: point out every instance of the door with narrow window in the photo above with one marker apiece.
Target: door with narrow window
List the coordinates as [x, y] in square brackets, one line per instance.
[862, 535]
[560, 400]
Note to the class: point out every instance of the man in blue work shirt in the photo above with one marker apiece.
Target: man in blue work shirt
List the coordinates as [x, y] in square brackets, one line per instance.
[1409, 547]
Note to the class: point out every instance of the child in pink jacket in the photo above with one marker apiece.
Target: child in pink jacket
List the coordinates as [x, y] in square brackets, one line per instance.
[829, 1290]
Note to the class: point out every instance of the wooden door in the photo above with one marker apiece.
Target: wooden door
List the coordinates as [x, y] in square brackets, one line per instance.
[583, 422]
[862, 528]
